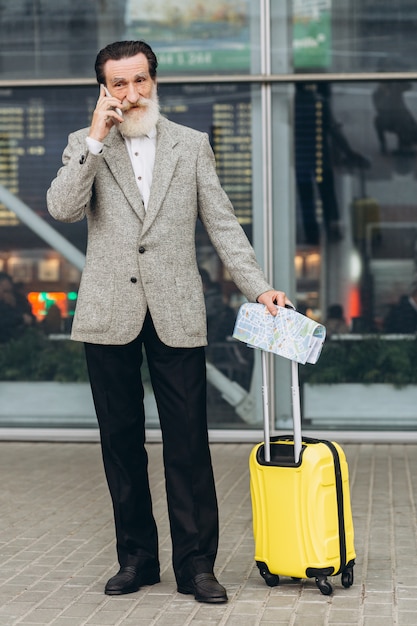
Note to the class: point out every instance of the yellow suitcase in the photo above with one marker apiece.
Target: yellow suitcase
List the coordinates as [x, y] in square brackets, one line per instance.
[302, 518]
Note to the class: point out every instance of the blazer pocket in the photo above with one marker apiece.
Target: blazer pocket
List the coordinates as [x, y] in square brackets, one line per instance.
[94, 308]
[192, 307]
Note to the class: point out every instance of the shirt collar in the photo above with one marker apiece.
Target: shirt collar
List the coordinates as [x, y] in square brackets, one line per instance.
[152, 133]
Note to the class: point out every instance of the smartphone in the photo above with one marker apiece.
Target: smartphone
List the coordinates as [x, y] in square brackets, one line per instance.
[118, 111]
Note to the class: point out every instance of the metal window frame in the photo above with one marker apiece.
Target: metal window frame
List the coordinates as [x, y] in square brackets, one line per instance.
[265, 77]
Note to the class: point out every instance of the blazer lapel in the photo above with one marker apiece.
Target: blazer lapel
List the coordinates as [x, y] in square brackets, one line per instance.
[165, 161]
[117, 158]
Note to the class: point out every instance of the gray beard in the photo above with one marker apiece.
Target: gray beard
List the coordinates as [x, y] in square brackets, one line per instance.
[138, 122]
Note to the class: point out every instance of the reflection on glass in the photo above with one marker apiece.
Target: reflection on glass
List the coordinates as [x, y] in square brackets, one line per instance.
[193, 37]
[352, 36]
[45, 38]
[366, 292]
[50, 39]
[366, 288]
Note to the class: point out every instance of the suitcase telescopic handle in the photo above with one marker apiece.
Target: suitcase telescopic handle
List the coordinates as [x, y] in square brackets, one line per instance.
[267, 438]
[296, 408]
[296, 404]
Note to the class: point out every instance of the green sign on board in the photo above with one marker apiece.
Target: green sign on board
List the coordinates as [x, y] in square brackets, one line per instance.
[311, 34]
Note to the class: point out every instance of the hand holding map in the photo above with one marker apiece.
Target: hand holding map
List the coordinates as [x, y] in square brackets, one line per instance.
[289, 334]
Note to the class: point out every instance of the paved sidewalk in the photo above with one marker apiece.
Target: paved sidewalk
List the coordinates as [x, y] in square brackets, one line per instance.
[57, 550]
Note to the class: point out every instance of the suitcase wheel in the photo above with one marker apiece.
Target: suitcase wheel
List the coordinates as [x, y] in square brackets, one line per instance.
[324, 585]
[347, 576]
[272, 580]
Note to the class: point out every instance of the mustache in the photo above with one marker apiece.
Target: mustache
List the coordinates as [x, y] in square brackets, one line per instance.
[141, 103]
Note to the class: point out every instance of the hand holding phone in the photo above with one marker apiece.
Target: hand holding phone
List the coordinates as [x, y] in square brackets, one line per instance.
[118, 111]
[103, 115]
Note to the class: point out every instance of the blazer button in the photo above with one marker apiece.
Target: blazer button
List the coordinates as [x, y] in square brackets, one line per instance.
[141, 250]
[133, 280]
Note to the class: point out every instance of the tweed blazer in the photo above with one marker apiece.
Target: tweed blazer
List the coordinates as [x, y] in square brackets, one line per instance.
[139, 260]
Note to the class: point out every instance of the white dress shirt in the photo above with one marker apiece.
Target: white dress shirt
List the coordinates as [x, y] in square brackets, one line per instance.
[141, 151]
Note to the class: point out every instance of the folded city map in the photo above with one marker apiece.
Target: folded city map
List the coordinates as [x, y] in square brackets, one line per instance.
[289, 334]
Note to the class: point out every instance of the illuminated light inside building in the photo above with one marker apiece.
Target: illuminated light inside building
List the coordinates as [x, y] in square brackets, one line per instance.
[41, 302]
[354, 303]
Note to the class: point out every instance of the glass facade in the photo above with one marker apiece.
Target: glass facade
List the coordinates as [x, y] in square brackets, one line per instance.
[311, 110]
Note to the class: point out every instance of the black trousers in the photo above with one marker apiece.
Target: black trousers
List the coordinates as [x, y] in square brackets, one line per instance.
[178, 377]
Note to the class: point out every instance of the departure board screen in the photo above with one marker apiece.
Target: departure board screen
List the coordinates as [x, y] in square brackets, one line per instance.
[35, 123]
[224, 112]
[34, 126]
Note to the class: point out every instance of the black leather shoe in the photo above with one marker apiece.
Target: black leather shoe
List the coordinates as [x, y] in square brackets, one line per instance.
[205, 588]
[128, 580]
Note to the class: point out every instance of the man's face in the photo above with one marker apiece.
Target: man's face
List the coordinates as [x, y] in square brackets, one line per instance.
[128, 80]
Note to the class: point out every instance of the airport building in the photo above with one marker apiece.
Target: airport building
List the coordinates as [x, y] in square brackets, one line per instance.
[311, 110]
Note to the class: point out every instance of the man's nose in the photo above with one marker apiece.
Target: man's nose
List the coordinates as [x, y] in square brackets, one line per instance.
[132, 94]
